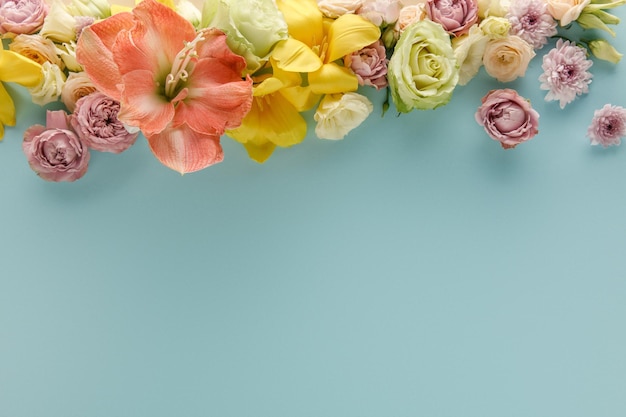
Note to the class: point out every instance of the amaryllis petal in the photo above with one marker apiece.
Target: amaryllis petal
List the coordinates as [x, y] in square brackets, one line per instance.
[94, 52]
[349, 33]
[141, 107]
[304, 20]
[333, 79]
[184, 150]
[295, 56]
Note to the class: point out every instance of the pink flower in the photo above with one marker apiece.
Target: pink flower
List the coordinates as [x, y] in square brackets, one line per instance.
[608, 126]
[456, 16]
[54, 151]
[95, 121]
[181, 88]
[565, 73]
[531, 21]
[22, 16]
[507, 117]
[370, 65]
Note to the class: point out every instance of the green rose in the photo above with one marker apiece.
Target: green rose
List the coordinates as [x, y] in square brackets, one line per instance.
[252, 27]
[422, 71]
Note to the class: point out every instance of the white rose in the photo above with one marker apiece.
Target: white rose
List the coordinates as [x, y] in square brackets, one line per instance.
[410, 14]
[60, 25]
[496, 8]
[380, 12]
[51, 86]
[566, 11]
[338, 114]
[468, 51]
[336, 8]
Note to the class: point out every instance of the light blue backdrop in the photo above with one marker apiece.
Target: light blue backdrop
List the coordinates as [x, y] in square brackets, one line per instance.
[413, 269]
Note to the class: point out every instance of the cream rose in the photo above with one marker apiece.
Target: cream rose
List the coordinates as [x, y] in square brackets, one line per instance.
[77, 85]
[338, 114]
[507, 58]
[496, 8]
[410, 14]
[37, 48]
[336, 8]
[566, 11]
[50, 88]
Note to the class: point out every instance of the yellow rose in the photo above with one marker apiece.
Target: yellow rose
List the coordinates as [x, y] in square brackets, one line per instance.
[507, 58]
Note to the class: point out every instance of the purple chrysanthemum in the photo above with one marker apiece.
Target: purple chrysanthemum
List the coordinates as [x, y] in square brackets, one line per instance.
[531, 21]
[608, 126]
[565, 74]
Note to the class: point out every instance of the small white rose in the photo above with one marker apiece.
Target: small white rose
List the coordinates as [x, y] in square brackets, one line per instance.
[338, 114]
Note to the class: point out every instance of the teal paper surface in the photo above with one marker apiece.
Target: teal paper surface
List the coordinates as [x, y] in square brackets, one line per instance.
[413, 269]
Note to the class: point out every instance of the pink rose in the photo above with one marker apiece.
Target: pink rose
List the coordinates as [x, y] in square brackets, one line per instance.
[507, 117]
[22, 16]
[95, 121]
[456, 17]
[54, 151]
[370, 65]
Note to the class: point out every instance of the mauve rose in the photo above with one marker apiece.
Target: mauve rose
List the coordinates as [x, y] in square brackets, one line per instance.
[22, 16]
[370, 65]
[456, 16]
[95, 121]
[507, 117]
[54, 151]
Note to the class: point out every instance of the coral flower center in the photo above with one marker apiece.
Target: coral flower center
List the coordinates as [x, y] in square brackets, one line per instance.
[182, 66]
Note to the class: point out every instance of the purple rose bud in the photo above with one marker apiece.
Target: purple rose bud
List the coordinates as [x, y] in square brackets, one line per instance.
[455, 16]
[95, 120]
[507, 117]
[370, 65]
[54, 151]
[22, 16]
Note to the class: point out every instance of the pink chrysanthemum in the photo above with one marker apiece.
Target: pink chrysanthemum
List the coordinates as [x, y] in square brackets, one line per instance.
[531, 21]
[565, 73]
[608, 126]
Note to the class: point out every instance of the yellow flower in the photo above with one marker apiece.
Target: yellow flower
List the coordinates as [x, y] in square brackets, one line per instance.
[314, 46]
[15, 68]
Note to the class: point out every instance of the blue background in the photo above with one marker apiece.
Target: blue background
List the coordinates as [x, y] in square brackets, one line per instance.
[413, 269]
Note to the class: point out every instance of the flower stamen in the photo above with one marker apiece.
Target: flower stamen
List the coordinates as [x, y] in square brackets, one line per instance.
[180, 71]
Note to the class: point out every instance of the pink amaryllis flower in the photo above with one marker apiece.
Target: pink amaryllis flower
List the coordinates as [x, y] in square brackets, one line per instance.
[182, 88]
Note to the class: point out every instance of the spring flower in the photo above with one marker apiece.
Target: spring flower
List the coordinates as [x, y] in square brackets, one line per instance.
[380, 12]
[181, 88]
[456, 16]
[507, 58]
[410, 14]
[77, 85]
[338, 114]
[608, 126]
[507, 117]
[468, 51]
[566, 11]
[22, 16]
[190, 12]
[370, 65]
[422, 71]
[51, 86]
[37, 48]
[54, 151]
[336, 8]
[252, 27]
[495, 27]
[315, 47]
[531, 21]
[60, 26]
[495, 8]
[15, 68]
[565, 73]
[99, 9]
[96, 123]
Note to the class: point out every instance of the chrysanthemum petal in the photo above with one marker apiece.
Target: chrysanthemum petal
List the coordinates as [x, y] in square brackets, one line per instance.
[184, 150]
[348, 34]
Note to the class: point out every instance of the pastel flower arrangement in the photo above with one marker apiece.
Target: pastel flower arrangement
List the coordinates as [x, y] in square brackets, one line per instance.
[185, 75]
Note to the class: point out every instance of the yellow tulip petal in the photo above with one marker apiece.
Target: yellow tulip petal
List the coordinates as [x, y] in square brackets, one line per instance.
[260, 153]
[295, 56]
[16, 68]
[7, 110]
[348, 34]
[333, 79]
[304, 20]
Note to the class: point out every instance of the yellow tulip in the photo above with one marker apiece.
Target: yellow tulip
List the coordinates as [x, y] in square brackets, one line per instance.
[15, 68]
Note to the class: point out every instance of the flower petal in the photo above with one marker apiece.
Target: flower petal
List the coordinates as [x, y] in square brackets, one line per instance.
[333, 79]
[295, 56]
[260, 153]
[184, 150]
[141, 106]
[349, 33]
[304, 20]
[15, 68]
[94, 52]
[7, 108]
